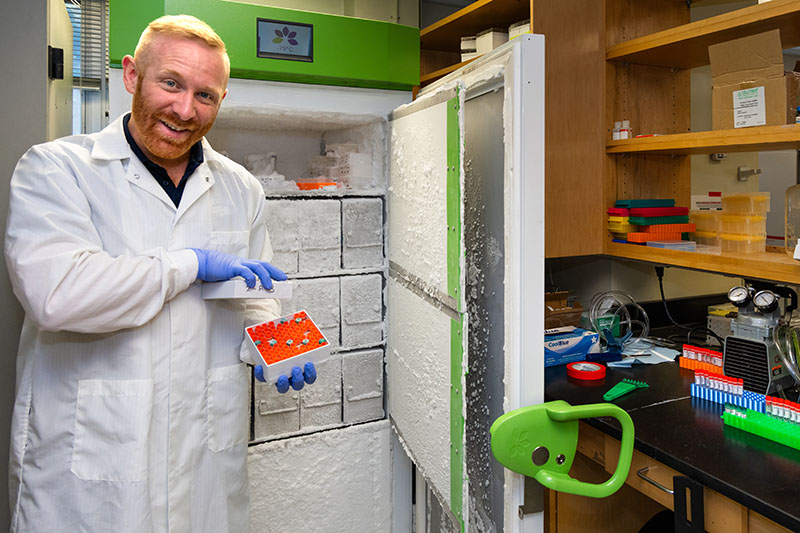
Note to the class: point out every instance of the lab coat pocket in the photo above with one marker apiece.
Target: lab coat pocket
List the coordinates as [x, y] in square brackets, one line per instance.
[112, 426]
[226, 409]
[230, 242]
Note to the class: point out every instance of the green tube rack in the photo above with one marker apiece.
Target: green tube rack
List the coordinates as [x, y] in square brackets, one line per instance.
[765, 426]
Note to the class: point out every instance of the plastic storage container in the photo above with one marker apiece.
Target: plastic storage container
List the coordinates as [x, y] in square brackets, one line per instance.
[686, 246]
[747, 244]
[706, 220]
[753, 203]
[708, 238]
[743, 224]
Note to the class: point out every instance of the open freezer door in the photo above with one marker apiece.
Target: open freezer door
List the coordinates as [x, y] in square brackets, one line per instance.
[426, 321]
[465, 295]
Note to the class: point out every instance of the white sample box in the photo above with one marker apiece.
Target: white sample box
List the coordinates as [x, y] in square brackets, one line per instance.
[288, 341]
[488, 40]
[237, 288]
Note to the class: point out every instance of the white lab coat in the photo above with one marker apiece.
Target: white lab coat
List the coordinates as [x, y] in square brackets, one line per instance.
[131, 409]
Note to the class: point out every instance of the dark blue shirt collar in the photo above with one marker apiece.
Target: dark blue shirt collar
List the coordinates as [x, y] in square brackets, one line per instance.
[158, 172]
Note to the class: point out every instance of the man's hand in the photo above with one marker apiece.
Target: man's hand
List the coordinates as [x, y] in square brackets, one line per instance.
[297, 379]
[218, 266]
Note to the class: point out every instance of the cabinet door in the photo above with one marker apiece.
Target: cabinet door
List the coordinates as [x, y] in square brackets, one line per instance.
[425, 295]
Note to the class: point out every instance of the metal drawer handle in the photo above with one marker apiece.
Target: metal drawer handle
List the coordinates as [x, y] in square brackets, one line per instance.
[642, 473]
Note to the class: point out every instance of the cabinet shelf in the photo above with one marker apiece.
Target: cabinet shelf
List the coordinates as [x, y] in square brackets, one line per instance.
[756, 139]
[446, 33]
[426, 79]
[767, 266]
[686, 46]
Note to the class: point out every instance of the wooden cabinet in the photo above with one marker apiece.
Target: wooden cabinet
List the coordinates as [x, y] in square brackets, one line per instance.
[574, 93]
[650, 47]
[638, 500]
[440, 43]
[625, 59]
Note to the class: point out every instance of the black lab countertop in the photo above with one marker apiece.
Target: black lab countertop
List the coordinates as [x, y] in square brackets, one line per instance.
[687, 434]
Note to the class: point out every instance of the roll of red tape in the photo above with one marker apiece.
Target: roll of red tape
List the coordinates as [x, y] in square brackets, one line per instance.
[585, 370]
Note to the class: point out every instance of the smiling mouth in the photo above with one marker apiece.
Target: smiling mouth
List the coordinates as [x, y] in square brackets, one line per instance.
[176, 129]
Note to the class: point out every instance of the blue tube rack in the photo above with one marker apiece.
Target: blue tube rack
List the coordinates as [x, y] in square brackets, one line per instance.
[748, 400]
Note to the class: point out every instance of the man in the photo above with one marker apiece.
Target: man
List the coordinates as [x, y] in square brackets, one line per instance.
[131, 409]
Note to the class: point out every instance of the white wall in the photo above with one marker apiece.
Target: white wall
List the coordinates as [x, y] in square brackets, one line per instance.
[23, 47]
[586, 276]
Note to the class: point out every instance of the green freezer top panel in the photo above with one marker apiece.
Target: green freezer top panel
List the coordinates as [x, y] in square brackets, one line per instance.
[347, 51]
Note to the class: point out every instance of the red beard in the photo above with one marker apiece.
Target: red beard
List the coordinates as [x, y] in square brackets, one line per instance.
[148, 120]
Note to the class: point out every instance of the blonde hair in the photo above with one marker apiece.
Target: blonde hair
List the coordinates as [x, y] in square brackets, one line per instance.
[185, 26]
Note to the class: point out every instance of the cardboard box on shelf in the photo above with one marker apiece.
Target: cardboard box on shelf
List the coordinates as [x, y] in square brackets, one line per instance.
[560, 311]
[749, 85]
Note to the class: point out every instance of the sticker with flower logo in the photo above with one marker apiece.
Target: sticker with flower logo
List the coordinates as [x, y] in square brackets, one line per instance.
[286, 34]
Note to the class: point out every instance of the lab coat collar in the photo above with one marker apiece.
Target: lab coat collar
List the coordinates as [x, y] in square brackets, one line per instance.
[110, 143]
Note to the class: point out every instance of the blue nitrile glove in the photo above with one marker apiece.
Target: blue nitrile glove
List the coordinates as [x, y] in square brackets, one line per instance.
[219, 266]
[297, 379]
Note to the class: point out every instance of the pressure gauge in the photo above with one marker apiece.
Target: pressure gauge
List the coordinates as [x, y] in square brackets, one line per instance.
[765, 301]
[739, 296]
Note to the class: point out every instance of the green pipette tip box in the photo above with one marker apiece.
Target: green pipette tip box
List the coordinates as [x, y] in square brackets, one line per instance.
[649, 221]
[654, 202]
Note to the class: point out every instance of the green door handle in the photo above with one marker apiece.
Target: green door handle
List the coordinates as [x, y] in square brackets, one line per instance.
[540, 441]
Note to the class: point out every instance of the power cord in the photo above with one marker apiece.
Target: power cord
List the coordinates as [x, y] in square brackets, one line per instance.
[660, 275]
[690, 330]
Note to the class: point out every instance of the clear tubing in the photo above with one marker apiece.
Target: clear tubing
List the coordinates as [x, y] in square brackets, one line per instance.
[617, 303]
[782, 336]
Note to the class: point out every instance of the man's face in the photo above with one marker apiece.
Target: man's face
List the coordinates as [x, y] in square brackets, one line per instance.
[175, 97]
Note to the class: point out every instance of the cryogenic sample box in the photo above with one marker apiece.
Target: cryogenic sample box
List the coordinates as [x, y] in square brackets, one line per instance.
[331, 241]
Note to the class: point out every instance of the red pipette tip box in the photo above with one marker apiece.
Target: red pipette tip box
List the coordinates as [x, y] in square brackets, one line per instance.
[289, 341]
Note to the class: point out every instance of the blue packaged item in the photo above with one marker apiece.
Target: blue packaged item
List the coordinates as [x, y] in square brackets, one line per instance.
[568, 344]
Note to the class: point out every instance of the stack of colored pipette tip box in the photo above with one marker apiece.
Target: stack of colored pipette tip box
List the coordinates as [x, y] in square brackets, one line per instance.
[286, 342]
[655, 222]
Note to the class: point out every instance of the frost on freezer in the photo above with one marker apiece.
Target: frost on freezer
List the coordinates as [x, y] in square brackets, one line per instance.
[420, 187]
[303, 152]
[342, 166]
[264, 168]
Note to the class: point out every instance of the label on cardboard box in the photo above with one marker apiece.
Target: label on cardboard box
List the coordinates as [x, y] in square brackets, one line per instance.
[568, 344]
[747, 63]
[748, 108]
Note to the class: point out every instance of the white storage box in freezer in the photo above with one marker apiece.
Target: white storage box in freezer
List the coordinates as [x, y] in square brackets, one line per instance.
[518, 28]
[286, 342]
[237, 288]
[468, 43]
[488, 40]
